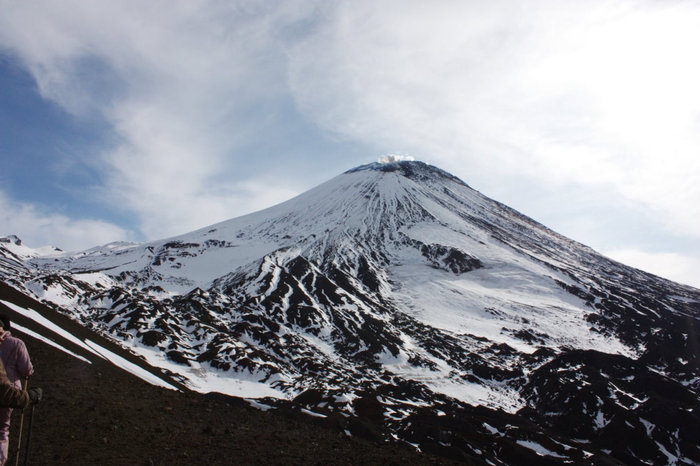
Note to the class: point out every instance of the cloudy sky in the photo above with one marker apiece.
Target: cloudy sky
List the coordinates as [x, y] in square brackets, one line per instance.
[131, 120]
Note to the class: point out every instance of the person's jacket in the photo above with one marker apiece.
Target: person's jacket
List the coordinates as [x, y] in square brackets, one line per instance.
[11, 397]
[15, 357]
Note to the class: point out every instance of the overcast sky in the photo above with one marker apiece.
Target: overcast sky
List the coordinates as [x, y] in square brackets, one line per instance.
[132, 120]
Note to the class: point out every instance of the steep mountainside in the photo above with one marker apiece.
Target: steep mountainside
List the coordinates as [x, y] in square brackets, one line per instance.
[396, 294]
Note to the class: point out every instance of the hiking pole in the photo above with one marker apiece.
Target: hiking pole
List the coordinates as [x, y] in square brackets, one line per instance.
[29, 435]
[21, 425]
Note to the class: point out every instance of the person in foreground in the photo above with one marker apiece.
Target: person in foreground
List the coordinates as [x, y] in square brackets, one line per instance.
[15, 365]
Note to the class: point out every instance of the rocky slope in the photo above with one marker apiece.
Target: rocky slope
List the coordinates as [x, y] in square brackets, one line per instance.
[396, 299]
[96, 413]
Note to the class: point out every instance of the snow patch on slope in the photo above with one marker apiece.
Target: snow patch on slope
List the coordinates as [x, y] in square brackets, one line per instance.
[205, 379]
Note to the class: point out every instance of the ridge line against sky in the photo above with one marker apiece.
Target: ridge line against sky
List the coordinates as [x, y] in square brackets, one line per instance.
[130, 121]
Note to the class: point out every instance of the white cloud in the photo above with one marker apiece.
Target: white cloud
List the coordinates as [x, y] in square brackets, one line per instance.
[673, 266]
[601, 93]
[183, 85]
[33, 224]
[391, 158]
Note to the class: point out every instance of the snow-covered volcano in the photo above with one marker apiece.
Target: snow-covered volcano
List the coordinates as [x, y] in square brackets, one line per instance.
[397, 281]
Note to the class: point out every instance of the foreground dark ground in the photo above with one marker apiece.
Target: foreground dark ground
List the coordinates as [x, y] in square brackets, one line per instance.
[97, 414]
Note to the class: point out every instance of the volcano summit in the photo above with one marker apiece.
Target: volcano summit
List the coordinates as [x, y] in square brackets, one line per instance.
[398, 303]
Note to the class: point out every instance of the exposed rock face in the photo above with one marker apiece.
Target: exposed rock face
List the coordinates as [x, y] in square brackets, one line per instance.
[414, 307]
